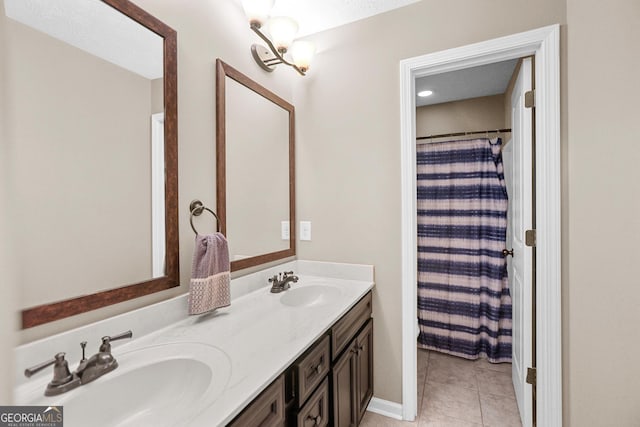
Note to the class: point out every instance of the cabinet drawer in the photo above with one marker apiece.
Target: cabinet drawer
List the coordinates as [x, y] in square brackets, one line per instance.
[267, 410]
[347, 327]
[315, 413]
[312, 369]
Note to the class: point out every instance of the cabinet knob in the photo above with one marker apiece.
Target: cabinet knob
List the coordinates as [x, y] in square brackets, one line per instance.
[314, 370]
[357, 350]
[316, 420]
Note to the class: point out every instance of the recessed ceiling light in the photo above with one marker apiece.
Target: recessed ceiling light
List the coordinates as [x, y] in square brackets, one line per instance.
[425, 93]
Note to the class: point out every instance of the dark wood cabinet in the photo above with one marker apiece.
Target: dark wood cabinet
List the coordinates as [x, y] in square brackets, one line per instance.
[315, 413]
[312, 368]
[364, 368]
[266, 410]
[343, 377]
[346, 328]
[352, 377]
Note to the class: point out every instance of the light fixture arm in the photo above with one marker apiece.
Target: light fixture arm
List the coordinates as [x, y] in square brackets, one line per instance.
[280, 58]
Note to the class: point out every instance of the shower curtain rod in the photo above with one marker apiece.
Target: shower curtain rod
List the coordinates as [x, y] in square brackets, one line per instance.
[475, 132]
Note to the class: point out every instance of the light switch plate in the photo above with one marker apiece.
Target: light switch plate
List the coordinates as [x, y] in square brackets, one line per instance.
[284, 230]
[305, 230]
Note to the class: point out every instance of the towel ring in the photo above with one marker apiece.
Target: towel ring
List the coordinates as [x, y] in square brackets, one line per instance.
[196, 208]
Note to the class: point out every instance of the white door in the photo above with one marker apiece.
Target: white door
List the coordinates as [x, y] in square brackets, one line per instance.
[520, 220]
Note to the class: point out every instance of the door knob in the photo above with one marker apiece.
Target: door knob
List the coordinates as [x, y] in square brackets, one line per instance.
[506, 252]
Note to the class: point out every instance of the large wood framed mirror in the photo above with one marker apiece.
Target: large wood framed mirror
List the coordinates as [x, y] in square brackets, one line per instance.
[92, 90]
[255, 161]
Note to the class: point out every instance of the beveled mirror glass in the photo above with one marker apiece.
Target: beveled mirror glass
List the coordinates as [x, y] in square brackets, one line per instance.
[92, 87]
[255, 169]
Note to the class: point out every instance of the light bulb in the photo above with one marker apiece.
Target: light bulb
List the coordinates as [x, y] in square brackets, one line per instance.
[282, 29]
[257, 11]
[302, 52]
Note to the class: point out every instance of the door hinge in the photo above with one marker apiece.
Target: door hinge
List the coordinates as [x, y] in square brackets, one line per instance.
[531, 376]
[530, 99]
[530, 238]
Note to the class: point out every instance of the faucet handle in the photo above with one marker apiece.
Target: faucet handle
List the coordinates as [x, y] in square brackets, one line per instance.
[106, 340]
[63, 380]
[39, 367]
[128, 334]
[61, 373]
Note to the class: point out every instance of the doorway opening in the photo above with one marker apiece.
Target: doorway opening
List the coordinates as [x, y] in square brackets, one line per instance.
[543, 45]
[474, 195]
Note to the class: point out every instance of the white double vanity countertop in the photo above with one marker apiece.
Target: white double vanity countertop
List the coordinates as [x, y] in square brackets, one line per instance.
[182, 370]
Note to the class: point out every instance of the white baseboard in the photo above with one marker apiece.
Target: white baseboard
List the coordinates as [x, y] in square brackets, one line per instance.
[386, 408]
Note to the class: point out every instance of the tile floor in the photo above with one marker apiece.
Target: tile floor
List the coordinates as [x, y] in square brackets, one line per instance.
[454, 392]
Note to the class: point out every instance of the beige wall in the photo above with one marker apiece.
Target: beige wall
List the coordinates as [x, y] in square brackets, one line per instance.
[8, 318]
[206, 30]
[601, 287]
[468, 115]
[349, 141]
[157, 96]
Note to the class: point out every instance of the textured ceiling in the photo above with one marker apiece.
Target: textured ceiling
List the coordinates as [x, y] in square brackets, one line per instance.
[314, 16]
[84, 24]
[485, 80]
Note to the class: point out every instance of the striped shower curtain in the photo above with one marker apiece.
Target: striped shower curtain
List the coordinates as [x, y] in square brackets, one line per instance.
[464, 305]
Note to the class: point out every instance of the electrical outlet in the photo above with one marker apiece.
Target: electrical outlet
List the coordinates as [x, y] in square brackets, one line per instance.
[284, 230]
[305, 230]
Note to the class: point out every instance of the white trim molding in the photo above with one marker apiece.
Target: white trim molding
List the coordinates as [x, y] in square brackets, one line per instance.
[544, 43]
[385, 408]
[158, 237]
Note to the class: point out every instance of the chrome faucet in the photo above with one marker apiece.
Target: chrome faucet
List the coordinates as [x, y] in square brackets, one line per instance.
[88, 370]
[282, 281]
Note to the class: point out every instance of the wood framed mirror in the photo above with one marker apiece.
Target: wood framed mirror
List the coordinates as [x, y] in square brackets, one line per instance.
[255, 160]
[103, 183]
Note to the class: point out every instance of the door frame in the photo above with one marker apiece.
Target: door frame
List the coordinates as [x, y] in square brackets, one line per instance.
[544, 44]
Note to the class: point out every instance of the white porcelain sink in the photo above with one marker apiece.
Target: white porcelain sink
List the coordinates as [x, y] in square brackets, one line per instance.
[160, 385]
[310, 295]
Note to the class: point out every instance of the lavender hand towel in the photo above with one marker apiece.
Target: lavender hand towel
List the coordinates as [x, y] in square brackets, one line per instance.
[210, 275]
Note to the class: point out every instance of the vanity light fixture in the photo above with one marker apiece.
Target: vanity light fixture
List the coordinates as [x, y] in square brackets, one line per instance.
[282, 30]
[425, 93]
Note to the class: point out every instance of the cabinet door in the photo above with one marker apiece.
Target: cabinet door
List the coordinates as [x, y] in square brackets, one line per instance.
[344, 390]
[364, 368]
